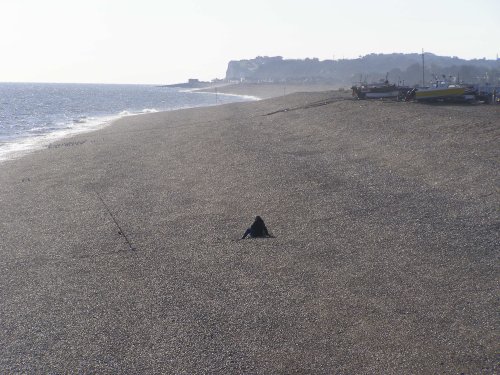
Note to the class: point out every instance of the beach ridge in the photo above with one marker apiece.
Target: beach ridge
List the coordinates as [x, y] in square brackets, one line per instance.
[120, 248]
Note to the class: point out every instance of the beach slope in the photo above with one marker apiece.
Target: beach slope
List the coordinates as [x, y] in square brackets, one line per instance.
[120, 248]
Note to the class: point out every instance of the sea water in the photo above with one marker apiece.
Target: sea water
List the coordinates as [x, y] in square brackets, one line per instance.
[34, 115]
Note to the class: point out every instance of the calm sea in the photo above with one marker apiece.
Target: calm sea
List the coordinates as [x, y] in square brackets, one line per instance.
[33, 115]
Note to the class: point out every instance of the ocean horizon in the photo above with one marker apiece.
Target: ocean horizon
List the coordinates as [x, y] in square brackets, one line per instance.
[34, 115]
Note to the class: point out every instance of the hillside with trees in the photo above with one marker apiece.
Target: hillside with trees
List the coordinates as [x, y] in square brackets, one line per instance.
[400, 68]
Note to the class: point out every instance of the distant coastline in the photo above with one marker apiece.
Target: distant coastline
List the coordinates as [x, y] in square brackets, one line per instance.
[190, 84]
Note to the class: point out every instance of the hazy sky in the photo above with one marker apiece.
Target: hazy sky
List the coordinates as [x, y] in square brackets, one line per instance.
[166, 41]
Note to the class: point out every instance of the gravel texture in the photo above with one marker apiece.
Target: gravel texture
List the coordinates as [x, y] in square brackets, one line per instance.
[120, 250]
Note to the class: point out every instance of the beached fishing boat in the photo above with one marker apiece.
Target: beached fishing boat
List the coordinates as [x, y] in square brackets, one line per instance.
[444, 91]
[376, 90]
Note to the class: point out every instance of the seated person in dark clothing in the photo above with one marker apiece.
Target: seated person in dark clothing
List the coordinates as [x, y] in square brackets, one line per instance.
[258, 229]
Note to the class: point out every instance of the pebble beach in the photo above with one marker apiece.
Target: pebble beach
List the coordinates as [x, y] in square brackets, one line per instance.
[120, 249]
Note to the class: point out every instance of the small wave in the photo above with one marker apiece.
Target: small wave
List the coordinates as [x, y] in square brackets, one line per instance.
[149, 110]
[39, 129]
[42, 137]
[42, 130]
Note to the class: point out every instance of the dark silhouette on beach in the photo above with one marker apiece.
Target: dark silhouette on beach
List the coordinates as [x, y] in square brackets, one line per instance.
[257, 229]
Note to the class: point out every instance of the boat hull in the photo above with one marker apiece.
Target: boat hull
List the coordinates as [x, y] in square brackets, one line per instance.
[440, 93]
[380, 95]
[379, 91]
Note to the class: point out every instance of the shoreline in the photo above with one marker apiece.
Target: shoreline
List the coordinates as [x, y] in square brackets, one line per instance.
[24, 145]
[121, 253]
[267, 90]
[249, 92]
[213, 90]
